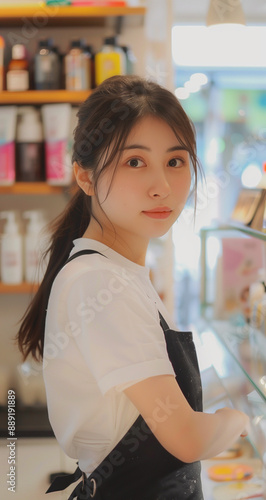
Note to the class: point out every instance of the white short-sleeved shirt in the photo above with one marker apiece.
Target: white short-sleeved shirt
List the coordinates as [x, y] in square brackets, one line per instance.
[102, 335]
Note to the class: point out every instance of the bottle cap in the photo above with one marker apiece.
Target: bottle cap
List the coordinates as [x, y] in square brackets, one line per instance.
[89, 48]
[110, 40]
[44, 44]
[11, 226]
[29, 127]
[77, 44]
[35, 223]
[18, 51]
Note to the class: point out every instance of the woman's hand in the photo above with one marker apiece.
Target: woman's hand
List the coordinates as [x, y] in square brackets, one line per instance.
[239, 414]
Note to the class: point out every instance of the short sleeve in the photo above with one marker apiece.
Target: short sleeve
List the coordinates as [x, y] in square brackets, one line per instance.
[120, 337]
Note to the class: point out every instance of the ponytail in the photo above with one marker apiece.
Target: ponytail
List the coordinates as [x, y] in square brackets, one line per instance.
[71, 224]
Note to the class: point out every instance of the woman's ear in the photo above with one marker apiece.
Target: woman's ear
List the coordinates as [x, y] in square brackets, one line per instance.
[83, 178]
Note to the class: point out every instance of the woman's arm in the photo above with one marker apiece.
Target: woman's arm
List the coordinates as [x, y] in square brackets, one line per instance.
[188, 435]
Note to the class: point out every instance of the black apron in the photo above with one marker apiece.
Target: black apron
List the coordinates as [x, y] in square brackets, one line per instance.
[139, 467]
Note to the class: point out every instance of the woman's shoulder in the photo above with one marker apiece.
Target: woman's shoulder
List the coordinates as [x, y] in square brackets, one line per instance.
[90, 274]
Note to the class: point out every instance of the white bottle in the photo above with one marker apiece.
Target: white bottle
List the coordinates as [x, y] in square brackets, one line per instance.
[11, 251]
[29, 146]
[32, 247]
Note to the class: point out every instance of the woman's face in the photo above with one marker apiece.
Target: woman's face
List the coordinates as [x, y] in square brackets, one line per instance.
[149, 186]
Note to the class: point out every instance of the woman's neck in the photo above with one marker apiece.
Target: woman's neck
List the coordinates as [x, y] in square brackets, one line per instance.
[133, 250]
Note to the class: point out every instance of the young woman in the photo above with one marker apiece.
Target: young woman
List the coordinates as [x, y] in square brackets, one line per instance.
[123, 386]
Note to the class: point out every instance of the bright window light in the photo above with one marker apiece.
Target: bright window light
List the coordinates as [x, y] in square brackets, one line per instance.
[181, 93]
[212, 151]
[192, 86]
[220, 45]
[251, 176]
[199, 78]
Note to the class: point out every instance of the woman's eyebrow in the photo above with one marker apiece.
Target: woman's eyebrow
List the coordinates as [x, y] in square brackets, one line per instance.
[177, 148]
[141, 146]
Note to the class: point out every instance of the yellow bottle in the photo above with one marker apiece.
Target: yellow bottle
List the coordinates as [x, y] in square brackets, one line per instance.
[110, 61]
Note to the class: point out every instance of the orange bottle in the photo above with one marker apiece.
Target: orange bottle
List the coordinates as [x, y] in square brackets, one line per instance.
[2, 46]
[17, 77]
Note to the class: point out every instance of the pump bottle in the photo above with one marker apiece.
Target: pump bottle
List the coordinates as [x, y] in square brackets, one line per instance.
[11, 251]
[32, 246]
[30, 146]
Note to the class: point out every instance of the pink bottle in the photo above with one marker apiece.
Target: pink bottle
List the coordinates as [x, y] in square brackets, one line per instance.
[8, 116]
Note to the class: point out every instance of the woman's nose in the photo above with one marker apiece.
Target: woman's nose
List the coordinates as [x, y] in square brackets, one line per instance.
[159, 187]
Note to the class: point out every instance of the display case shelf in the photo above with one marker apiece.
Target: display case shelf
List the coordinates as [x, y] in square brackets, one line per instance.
[261, 235]
[238, 348]
[231, 358]
[248, 347]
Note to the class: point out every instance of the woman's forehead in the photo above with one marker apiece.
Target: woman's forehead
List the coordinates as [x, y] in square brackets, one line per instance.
[147, 128]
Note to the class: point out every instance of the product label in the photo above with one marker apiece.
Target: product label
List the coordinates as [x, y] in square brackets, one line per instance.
[32, 264]
[10, 259]
[7, 163]
[46, 64]
[17, 80]
[11, 264]
[107, 65]
[56, 161]
[73, 72]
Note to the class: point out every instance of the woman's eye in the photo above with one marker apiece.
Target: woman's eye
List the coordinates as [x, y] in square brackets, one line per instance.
[176, 162]
[135, 162]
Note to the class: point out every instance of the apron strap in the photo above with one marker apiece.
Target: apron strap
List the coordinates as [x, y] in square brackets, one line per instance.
[163, 323]
[82, 252]
[86, 489]
[62, 482]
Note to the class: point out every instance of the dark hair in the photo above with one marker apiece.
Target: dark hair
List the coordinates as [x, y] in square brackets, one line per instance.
[105, 120]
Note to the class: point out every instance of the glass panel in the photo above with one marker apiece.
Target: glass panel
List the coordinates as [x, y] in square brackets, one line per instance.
[231, 371]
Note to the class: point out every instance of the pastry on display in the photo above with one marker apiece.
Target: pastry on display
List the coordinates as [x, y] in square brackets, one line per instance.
[240, 490]
[230, 472]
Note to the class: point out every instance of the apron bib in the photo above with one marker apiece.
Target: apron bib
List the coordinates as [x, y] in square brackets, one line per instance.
[139, 467]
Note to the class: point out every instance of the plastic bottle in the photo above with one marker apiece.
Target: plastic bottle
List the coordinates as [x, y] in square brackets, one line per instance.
[46, 67]
[8, 120]
[78, 67]
[32, 246]
[130, 59]
[110, 61]
[17, 77]
[2, 48]
[11, 251]
[89, 49]
[56, 121]
[30, 146]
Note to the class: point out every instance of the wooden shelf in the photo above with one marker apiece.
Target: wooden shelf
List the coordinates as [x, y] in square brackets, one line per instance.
[32, 188]
[18, 289]
[55, 15]
[44, 96]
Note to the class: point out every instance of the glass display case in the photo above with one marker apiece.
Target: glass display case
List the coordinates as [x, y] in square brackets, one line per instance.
[236, 351]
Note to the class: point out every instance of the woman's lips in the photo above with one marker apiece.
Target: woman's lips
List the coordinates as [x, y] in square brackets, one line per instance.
[158, 213]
